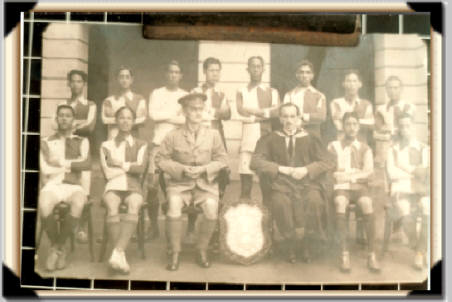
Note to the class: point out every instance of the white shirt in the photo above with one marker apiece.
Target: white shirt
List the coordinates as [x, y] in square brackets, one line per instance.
[164, 106]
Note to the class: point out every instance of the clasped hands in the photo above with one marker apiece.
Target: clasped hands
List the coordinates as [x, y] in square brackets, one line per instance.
[194, 172]
[296, 173]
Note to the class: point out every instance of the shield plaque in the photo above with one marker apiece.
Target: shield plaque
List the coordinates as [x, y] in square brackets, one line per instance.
[245, 231]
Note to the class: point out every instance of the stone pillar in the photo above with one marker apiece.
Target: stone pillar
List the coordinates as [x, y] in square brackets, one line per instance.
[234, 57]
[64, 47]
[406, 57]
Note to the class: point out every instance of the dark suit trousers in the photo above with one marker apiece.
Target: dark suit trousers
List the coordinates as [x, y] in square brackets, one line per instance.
[305, 210]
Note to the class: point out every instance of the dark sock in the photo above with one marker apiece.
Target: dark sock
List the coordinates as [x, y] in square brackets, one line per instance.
[246, 181]
[369, 223]
[342, 231]
[174, 233]
[50, 226]
[191, 222]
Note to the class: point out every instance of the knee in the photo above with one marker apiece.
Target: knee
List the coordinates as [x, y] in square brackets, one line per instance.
[78, 201]
[210, 208]
[47, 201]
[175, 204]
[365, 203]
[403, 206]
[340, 203]
[112, 202]
[425, 205]
[134, 202]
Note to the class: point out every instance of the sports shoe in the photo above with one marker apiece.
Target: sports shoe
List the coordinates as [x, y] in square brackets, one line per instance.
[62, 258]
[372, 263]
[419, 261]
[123, 265]
[115, 260]
[52, 259]
[345, 262]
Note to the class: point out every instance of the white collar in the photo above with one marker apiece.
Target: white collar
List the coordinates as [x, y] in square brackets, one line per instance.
[81, 99]
[414, 143]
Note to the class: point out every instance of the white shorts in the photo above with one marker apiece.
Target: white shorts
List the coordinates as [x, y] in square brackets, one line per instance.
[63, 191]
[244, 162]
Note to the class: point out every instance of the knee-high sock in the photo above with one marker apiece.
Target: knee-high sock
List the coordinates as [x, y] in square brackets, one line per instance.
[191, 222]
[409, 227]
[422, 242]
[153, 209]
[128, 226]
[50, 226]
[342, 231]
[68, 226]
[246, 181]
[369, 223]
[174, 233]
[206, 229]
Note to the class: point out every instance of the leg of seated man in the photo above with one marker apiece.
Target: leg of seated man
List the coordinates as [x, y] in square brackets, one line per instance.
[112, 200]
[422, 242]
[282, 210]
[407, 218]
[47, 201]
[366, 206]
[173, 228]
[208, 223]
[341, 202]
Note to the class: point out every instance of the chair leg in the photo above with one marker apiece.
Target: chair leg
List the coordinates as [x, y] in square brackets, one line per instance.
[103, 247]
[90, 231]
[140, 233]
[387, 233]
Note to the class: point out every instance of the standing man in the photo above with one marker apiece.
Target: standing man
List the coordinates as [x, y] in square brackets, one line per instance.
[354, 166]
[63, 156]
[386, 118]
[191, 156]
[256, 105]
[125, 97]
[217, 110]
[166, 113]
[310, 101]
[123, 160]
[351, 102]
[408, 166]
[295, 162]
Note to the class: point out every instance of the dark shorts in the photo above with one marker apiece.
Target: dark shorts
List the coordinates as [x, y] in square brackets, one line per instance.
[352, 195]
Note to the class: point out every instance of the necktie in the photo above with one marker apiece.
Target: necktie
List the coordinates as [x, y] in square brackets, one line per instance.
[290, 148]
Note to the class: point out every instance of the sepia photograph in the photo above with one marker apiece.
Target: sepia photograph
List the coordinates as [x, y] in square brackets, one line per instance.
[232, 162]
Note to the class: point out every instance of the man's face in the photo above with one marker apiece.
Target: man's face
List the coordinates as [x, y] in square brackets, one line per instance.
[352, 84]
[394, 90]
[194, 111]
[65, 119]
[173, 75]
[125, 79]
[289, 118]
[125, 120]
[351, 127]
[255, 69]
[76, 84]
[405, 128]
[213, 73]
[304, 75]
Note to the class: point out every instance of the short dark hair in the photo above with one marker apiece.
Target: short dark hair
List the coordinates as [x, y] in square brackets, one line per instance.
[305, 62]
[175, 63]
[256, 57]
[125, 108]
[65, 106]
[284, 105]
[209, 61]
[349, 115]
[81, 73]
[394, 78]
[125, 67]
[352, 71]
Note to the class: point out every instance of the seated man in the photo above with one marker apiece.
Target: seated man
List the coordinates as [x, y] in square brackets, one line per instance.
[408, 170]
[354, 166]
[192, 156]
[295, 163]
[123, 160]
[63, 156]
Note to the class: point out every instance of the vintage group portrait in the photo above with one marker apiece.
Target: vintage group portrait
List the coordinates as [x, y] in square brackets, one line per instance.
[233, 161]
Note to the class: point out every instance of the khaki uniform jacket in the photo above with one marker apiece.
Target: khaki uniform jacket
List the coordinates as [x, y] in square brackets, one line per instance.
[180, 148]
